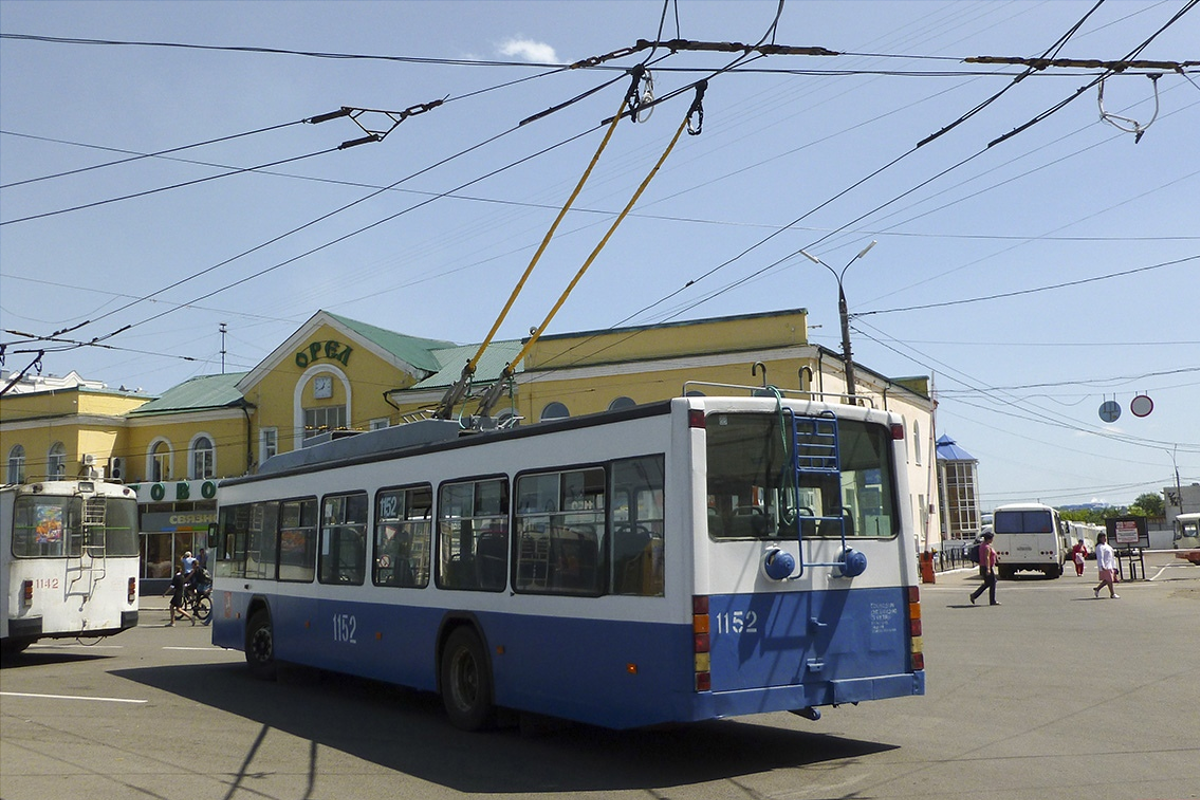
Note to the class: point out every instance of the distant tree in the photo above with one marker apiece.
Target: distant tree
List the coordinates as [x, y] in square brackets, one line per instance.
[1150, 504]
[1093, 516]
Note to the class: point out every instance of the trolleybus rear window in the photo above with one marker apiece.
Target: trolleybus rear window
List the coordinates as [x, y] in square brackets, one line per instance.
[755, 491]
[55, 526]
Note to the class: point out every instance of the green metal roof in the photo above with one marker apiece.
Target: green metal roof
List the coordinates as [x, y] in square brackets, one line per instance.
[413, 350]
[453, 359]
[195, 394]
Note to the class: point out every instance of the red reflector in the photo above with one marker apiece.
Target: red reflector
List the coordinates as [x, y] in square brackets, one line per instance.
[918, 661]
[914, 627]
[696, 418]
[914, 594]
[701, 642]
[703, 682]
[700, 604]
[898, 432]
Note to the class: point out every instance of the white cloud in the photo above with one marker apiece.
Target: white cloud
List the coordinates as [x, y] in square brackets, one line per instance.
[529, 50]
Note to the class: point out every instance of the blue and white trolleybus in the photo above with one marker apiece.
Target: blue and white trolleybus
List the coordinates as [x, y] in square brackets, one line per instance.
[692, 559]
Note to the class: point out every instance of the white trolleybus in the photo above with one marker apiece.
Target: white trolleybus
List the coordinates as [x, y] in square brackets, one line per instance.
[1029, 537]
[697, 558]
[69, 560]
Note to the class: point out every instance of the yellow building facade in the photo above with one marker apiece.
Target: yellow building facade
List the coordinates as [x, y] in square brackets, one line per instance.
[336, 374]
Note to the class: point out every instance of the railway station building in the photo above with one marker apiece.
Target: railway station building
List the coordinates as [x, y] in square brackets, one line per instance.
[335, 375]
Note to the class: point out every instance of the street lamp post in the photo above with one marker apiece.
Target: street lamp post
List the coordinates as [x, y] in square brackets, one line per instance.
[847, 358]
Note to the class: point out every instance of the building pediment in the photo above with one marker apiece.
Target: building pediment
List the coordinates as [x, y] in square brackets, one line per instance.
[340, 342]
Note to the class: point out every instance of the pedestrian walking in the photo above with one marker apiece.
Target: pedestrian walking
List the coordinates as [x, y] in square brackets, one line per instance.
[1078, 554]
[1106, 562]
[176, 592]
[987, 570]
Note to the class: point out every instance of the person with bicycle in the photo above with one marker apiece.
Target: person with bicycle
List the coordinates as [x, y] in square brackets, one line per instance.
[176, 590]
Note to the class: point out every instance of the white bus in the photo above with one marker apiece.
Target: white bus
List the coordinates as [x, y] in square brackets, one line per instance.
[1081, 530]
[1187, 537]
[69, 561]
[1029, 537]
[692, 559]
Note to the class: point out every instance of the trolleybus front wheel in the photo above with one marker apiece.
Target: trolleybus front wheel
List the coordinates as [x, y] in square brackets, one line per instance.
[260, 646]
[466, 681]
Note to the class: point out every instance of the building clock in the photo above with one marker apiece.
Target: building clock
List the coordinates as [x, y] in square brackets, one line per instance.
[323, 387]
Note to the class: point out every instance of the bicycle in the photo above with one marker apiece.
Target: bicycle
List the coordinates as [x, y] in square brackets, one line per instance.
[197, 599]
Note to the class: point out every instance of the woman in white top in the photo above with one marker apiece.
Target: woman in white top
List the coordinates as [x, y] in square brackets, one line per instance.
[1106, 562]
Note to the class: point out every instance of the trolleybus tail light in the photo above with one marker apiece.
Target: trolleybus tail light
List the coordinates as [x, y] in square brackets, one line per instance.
[914, 623]
[132, 592]
[701, 643]
[27, 592]
[897, 431]
[696, 418]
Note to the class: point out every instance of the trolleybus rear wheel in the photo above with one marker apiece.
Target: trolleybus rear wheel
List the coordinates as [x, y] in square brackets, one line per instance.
[466, 681]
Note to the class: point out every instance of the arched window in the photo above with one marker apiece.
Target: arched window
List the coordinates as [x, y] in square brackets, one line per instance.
[203, 460]
[57, 461]
[160, 461]
[621, 402]
[16, 464]
[917, 441]
[555, 410]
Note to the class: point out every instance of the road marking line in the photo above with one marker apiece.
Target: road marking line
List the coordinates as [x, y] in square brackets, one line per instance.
[210, 648]
[84, 646]
[70, 697]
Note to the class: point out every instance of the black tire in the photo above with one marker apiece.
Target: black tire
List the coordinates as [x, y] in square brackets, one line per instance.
[260, 646]
[203, 608]
[467, 681]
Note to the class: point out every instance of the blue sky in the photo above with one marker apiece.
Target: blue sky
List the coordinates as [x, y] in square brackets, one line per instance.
[1035, 278]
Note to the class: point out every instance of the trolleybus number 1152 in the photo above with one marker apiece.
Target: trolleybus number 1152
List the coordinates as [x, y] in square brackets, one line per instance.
[344, 628]
[737, 622]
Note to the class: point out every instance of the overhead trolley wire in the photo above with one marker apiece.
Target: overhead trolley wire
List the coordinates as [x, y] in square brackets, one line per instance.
[135, 157]
[237, 171]
[842, 193]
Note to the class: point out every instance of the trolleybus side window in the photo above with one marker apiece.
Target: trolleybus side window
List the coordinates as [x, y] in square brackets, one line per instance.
[262, 542]
[560, 524]
[402, 536]
[637, 526]
[754, 491]
[298, 540]
[234, 527]
[344, 539]
[473, 535]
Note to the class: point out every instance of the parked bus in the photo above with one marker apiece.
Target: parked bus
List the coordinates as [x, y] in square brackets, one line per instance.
[69, 561]
[1187, 537]
[697, 558]
[1081, 530]
[1029, 537]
